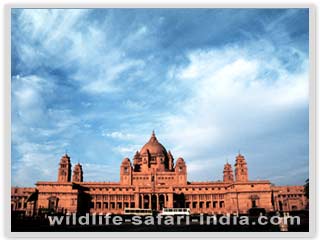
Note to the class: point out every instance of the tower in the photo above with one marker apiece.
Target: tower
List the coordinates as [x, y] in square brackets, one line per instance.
[181, 171]
[228, 173]
[77, 173]
[126, 172]
[241, 169]
[64, 172]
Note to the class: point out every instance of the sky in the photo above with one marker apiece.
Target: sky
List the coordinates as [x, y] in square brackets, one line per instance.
[211, 82]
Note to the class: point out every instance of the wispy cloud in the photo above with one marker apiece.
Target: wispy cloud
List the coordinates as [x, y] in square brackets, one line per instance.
[96, 82]
[233, 106]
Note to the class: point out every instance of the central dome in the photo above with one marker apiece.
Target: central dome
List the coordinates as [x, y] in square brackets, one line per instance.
[153, 146]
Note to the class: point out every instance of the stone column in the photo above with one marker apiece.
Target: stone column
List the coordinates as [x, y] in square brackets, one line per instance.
[198, 203]
[150, 202]
[22, 203]
[102, 203]
[158, 207]
[95, 203]
[170, 200]
[122, 202]
[136, 200]
[142, 200]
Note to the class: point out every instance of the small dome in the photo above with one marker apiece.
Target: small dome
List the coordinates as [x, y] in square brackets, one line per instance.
[227, 166]
[66, 156]
[125, 160]
[153, 146]
[180, 160]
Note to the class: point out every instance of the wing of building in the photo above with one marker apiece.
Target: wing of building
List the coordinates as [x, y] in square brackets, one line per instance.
[154, 180]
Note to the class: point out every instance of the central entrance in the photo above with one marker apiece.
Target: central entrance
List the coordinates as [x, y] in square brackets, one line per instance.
[179, 200]
[157, 202]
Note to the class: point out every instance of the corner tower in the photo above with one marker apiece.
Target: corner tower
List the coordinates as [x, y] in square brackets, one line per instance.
[181, 171]
[241, 169]
[64, 172]
[126, 172]
[77, 173]
[228, 173]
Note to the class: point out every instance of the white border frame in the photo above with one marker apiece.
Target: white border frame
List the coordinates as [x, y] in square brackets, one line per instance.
[145, 4]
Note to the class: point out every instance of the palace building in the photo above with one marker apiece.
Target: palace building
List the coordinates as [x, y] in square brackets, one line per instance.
[154, 180]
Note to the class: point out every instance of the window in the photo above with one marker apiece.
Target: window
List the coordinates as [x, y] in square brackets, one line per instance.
[52, 203]
[253, 203]
[214, 204]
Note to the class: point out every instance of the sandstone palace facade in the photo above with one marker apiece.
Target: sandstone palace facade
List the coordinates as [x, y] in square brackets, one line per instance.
[154, 180]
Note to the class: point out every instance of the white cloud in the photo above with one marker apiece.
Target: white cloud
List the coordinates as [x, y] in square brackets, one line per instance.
[118, 135]
[127, 150]
[232, 96]
[29, 95]
[35, 127]
[108, 74]
[100, 172]
[230, 99]
[60, 38]
[135, 105]
[35, 159]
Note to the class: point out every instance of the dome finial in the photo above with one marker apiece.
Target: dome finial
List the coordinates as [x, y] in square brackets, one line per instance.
[153, 137]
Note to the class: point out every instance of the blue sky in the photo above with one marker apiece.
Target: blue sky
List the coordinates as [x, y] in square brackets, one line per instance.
[210, 82]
